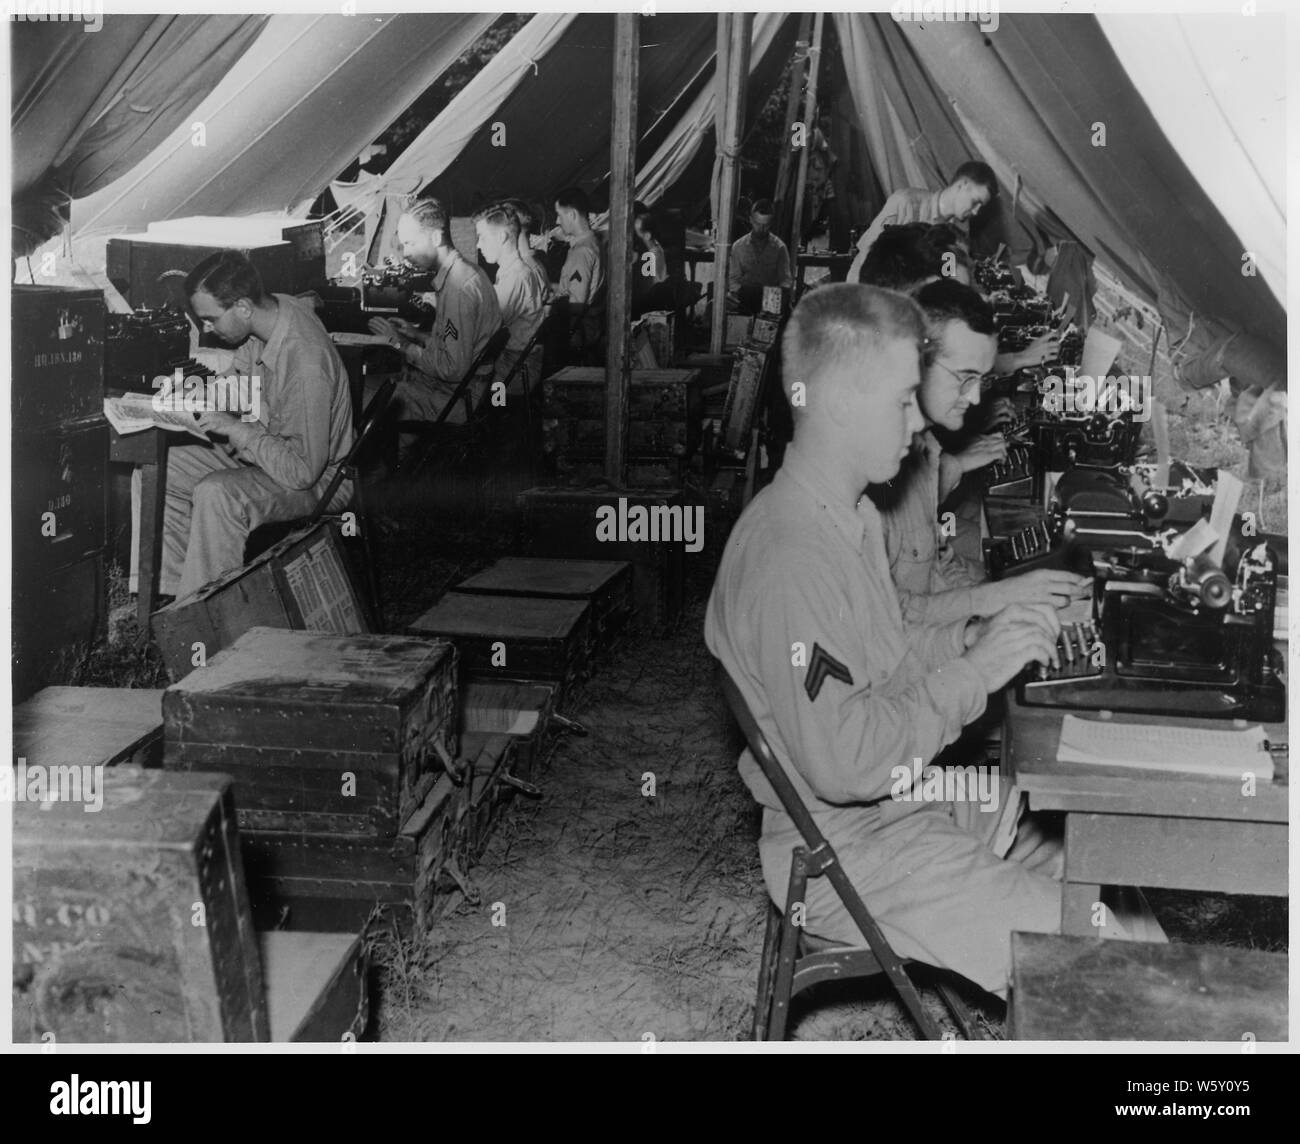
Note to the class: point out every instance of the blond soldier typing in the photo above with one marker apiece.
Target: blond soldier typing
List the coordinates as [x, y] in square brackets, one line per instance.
[269, 469]
[805, 618]
[465, 318]
[935, 585]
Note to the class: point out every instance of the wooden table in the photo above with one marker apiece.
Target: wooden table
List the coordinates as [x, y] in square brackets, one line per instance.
[837, 263]
[75, 726]
[1147, 828]
[148, 451]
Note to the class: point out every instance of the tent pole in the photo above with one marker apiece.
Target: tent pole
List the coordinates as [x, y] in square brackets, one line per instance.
[798, 65]
[622, 174]
[810, 124]
[733, 69]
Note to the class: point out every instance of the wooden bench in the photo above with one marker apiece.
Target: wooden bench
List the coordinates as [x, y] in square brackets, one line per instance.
[1081, 989]
[75, 726]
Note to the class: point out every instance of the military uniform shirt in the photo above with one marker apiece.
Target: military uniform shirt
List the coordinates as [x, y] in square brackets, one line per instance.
[934, 584]
[805, 618]
[467, 315]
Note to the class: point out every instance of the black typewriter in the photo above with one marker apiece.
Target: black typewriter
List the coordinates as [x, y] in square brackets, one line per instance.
[1011, 476]
[1172, 638]
[990, 275]
[389, 290]
[144, 345]
[1048, 544]
[1099, 440]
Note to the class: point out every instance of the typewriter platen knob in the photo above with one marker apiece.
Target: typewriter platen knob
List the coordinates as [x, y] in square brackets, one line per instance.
[1155, 506]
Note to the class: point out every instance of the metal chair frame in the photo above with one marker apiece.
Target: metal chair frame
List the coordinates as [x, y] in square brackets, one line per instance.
[791, 960]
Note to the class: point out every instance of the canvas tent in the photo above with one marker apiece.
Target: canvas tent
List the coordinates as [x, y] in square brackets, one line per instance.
[915, 99]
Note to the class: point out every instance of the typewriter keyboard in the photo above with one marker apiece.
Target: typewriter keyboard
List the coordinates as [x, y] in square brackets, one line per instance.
[1076, 649]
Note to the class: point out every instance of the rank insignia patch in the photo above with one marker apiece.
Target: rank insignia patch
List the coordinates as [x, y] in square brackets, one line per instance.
[823, 664]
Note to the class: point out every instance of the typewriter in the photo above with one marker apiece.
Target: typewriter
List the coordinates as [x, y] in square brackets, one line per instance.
[1171, 637]
[146, 344]
[1050, 543]
[390, 289]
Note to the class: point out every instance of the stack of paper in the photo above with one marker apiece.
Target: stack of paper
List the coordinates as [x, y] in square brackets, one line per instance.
[1228, 753]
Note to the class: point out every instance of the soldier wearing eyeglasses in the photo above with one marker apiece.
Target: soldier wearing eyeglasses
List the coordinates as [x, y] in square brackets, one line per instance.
[934, 584]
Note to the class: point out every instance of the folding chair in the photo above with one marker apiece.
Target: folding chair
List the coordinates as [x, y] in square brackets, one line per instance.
[792, 961]
[348, 470]
[436, 432]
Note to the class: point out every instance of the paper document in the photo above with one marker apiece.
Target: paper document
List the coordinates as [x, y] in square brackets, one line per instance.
[342, 338]
[136, 412]
[1229, 753]
[1227, 495]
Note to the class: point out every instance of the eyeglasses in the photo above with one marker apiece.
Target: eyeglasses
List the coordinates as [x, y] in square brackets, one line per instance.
[970, 381]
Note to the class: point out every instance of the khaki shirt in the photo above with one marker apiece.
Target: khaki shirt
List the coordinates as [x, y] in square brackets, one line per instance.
[467, 315]
[934, 583]
[521, 294]
[583, 277]
[754, 265]
[912, 204]
[805, 618]
[304, 426]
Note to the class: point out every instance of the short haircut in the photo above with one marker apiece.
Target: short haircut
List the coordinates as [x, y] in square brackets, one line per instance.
[430, 214]
[906, 255]
[576, 199]
[844, 322]
[981, 174]
[500, 216]
[951, 301]
[228, 276]
[763, 207]
[525, 214]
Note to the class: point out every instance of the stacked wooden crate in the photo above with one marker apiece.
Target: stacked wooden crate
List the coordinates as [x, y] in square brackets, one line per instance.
[665, 415]
[59, 489]
[346, 760]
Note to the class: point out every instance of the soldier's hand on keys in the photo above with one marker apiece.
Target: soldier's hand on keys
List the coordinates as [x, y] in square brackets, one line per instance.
[982, 451]
[1041, 586]
[1005, 644]
[1000, 412]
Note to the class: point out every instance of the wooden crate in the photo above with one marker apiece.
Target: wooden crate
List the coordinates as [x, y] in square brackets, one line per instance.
[57, 367]
[316, 988]
[132, 924]
[665, 411]
[75, 725]
[303, 582]
[337, 734]
[605, 584]
[744, 392]
[51, 617]
[562, 522]
[514, 636]
[299, 880]
[520, 708]
[60, 497]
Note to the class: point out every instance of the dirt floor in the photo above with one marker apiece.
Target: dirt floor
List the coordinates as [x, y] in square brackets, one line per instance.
[624, 914]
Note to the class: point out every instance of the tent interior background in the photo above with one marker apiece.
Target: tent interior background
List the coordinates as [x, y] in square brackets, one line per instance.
[1189, 179]
[101, 132]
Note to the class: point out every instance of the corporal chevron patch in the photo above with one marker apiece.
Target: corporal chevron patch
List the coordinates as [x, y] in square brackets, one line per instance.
[449, 332]
[821, 665]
